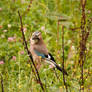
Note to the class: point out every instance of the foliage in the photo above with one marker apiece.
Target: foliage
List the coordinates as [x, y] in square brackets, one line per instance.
[43, 15]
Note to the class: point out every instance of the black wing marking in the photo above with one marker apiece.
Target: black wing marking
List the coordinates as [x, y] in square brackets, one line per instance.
[53, 60]
[50, 57]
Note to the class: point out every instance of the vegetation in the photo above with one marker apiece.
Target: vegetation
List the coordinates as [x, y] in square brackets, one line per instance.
[66, 29]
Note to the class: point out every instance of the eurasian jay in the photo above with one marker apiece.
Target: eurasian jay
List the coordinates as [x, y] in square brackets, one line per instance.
[40, 52]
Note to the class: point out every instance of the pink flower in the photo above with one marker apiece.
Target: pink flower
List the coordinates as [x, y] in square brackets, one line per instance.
[11, 39]
[1, 62]
[24, 29]
[89, 11]
[14, 58]
[51, 66]
[0, 9]
[22, 52]
[43, 28]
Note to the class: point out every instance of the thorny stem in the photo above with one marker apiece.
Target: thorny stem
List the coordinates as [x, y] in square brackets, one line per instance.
[29, 53]
[63, 58]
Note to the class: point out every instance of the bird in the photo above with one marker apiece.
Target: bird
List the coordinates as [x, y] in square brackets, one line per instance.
[40, 52]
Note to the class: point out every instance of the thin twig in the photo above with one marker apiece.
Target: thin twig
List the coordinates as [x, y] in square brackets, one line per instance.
[63, 58]
[2, 87]
[29, 53]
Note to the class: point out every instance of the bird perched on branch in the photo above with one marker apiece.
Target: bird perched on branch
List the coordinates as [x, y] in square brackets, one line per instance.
[40, 52]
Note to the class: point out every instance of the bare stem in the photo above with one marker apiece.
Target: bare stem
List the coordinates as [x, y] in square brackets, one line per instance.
[63, 58]
[2, 87]
[82, 43]
[29, 53]
[58, 31]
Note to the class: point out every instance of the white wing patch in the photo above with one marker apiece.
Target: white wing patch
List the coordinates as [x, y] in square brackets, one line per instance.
[49, 57]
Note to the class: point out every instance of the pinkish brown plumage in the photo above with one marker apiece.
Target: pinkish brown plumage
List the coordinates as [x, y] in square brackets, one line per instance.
[40, 52]
[39, 46]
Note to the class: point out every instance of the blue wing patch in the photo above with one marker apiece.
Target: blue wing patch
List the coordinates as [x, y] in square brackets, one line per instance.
[40, 54]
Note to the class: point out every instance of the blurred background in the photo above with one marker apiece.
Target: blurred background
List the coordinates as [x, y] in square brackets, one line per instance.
[47, 16]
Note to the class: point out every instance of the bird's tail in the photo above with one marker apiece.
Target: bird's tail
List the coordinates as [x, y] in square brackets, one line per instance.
[62, 70]
[55, 65]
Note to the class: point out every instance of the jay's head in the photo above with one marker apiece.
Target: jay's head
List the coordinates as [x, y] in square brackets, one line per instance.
[36, 36]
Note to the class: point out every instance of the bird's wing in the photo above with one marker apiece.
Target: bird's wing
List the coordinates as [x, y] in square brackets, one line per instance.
[49, 56]
[40, 54]
[50, 59]
[41, 48]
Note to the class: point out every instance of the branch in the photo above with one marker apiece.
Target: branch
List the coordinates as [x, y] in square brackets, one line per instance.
[29, 53]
